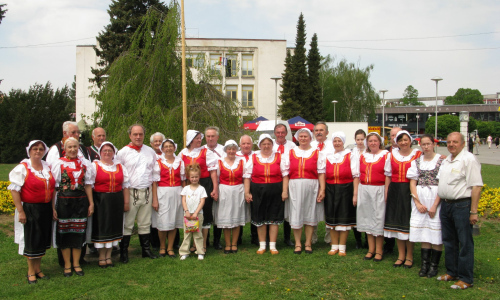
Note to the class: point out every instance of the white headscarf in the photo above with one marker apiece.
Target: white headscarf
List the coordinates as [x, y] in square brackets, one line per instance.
[190, 135]
[33, 142]
[296, 136]
[366, 140]
[175, 145]
[108, 143]
[265, 136]
[400, 133]
[231, 143]
[340, 135]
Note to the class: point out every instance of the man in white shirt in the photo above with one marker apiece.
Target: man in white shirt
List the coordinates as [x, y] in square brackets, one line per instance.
[98, 137]
[321, 134]
[139, 161]
[283, 146]
[212, 137]
[459, 188]
[246, 144]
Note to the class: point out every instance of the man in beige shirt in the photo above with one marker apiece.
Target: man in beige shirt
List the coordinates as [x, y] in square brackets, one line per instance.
[459, 188]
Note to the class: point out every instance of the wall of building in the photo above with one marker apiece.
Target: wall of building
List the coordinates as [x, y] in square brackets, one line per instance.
[85, 61]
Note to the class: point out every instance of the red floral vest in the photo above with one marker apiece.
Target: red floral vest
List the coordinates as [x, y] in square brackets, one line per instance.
[267, 172]
[108, 182]
[304, 167]
[339, 173]
[36, 189]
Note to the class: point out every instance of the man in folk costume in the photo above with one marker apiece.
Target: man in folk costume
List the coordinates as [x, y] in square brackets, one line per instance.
[155, 141]
[139, 161]
[56, 151]
[98, 137]
[282, 145]
[212, 138]
[246, 144]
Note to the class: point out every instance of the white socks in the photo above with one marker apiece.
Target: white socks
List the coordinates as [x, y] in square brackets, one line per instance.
[262, 245]
[336, 247]
[342, 248]
[272, 246]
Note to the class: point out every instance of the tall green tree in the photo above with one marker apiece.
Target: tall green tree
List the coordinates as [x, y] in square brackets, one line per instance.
[2, 12]
[350, 85]
[313, 111]
[447, 124]
[125, 16]
[410, 97]
[144, 86]
[298, 94]
[465, 96]
[34, 114]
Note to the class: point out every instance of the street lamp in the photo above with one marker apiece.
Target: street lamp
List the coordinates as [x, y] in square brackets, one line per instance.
[436, 79]
[418, 117]
[276, 78]
[334, 102]
[383, 114]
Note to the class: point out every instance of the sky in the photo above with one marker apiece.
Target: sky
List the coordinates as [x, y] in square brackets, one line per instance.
[408, 42]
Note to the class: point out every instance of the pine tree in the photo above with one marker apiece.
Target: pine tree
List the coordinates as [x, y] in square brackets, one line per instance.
[298, 91]
[125, 18]
[314, 107]
[288, 106]
[2, 12]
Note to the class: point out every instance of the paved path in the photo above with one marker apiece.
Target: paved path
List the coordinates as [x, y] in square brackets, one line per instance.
[486, 156]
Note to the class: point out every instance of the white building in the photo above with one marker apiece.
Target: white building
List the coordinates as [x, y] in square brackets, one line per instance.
[246, 67]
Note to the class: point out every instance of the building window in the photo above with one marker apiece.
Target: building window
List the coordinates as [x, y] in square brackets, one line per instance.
[247, 96]
[218, 88]
[232, 91]
[215, 64]
[195, 60]
[247, 65]
[231, 64]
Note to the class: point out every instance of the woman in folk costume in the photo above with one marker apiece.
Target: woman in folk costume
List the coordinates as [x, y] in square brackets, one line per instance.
[32, 188]
[341, 178]
[304, 207]
[425, 224]
[111, 199]
[168, 180]
[372, 193]
[266, 187]
[195, 153]
[74, 204]
[398, 209]
[230, 211]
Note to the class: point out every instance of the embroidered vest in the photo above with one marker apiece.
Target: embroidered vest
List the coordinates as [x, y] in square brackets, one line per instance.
[267, 172]
[372, 173]
[108, 182]
[304, 167]
[339, 173]
[169, 176]
[231, 177]
[36, 189]
[400, 168]
[201, 159]
[428, 177]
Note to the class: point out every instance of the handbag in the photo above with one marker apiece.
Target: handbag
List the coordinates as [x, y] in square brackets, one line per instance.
[191, 225]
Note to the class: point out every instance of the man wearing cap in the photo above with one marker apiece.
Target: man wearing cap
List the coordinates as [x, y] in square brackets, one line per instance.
[139, 161]
[98, 137]
[56, 151]
[459, 188]
[207, 159]
[246, 144]
[283, 146]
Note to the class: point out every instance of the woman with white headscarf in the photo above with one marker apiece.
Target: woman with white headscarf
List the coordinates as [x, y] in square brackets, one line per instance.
[266, 187]
[168, 180]
[195, 153]
[304, 207]
[341, 178]
[398, 209]
[32, 188]
[230, 209]
[111, 198]
[372, 193]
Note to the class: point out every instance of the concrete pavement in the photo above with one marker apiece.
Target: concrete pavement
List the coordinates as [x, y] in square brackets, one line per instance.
[486, 156]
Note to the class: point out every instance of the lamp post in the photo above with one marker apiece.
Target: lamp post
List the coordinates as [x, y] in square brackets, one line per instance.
[276, 78]
[334, 102]
[383, 115]
[418, 117]
[436, 79]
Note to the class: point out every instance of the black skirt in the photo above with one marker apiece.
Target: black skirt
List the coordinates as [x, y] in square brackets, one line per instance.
[107, 220]
[398, 207]
[208, 215]
[339, 209]
[267, 206]
[38, 228]
[72, 211]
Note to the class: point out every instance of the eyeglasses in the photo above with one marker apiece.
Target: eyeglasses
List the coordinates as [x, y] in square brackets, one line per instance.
[38, 149]
[73, 132]
[108, 151]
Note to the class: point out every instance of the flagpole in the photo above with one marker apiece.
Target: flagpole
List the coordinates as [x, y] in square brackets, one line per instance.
[184, 93]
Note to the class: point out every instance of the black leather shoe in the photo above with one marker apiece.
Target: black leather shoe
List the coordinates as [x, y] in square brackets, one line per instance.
[217, 245]
[67, 274]
[289, 243]
[31, 281]
[44, 277]
[79, 273]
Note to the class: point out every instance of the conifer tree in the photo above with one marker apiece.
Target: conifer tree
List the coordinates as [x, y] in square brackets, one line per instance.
[125, 17]
[288, 107]
[313, 111]
[2, 12]
[298, 93]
